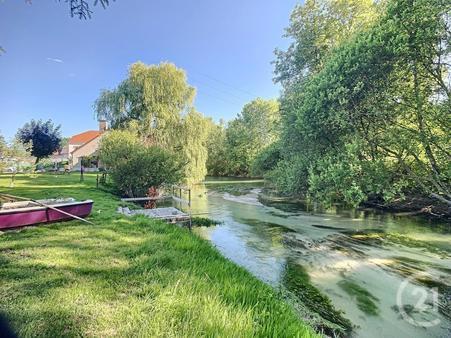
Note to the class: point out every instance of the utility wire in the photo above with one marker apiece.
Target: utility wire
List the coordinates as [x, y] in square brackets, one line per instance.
[248, 93]
[228, 93]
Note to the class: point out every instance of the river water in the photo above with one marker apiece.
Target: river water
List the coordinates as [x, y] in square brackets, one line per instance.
[391, 276]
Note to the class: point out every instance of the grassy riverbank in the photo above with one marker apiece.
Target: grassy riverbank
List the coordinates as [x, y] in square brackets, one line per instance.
[124, 277]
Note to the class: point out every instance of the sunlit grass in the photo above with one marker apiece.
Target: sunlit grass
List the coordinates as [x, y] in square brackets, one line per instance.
[126, 277]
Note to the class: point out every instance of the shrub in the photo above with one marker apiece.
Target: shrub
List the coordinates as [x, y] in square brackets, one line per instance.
[350, 178]
[135, 167]
[266, 160]
[90, 161]
[289, 176]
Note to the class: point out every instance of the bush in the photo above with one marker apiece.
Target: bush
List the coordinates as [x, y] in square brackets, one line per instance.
[135, 167]
[266, 160]
[350, 178]
[289, 176]
[90, 161]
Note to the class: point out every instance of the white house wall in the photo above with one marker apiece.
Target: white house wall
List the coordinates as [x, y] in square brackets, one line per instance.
[86, 150]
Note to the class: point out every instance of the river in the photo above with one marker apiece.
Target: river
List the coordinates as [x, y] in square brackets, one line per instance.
[389, 275]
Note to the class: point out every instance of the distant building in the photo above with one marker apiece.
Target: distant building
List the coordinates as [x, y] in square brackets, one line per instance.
[84, 144]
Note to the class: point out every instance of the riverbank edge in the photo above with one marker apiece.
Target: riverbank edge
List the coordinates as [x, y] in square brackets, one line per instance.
[417, 206]
[237, 287]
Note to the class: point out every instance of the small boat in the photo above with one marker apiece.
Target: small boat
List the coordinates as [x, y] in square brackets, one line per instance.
[18, 214]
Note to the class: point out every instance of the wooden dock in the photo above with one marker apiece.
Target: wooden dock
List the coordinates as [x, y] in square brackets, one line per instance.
[170, 214]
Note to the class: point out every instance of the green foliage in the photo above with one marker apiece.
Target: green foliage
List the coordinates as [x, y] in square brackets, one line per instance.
[90, 161]
[204, 222]
[373, 118]
[317, 27]
[135, 167]
[193, 146]
[255, 128]
[3, 146]
[157, 102]
[116, 144]
[154, 95]
[266, 160]
[217, 150]
[15, 154]
[344, 177]
[233, 149]
[290, 175]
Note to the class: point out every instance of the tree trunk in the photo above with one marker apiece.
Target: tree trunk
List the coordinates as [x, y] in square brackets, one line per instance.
[420, 122]
[441, 198]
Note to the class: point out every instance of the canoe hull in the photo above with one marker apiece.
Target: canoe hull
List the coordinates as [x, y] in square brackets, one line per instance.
[20, 217]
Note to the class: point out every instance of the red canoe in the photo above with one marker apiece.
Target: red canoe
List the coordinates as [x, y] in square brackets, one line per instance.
[11, 217]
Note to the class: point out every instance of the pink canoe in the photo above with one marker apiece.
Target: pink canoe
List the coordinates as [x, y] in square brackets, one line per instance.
[18, 214]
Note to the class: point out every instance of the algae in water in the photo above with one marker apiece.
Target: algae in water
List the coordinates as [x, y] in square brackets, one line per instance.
[365, 300]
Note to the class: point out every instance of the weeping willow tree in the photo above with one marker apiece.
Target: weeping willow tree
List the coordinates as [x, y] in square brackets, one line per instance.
[194, 132]
[157, 102]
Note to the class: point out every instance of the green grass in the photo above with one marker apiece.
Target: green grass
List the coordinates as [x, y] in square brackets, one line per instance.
[127, 276]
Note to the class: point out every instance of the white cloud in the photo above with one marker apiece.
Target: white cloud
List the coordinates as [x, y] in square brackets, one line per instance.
[55, 60]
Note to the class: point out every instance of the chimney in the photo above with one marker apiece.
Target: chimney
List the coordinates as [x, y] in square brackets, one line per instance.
[103, 125]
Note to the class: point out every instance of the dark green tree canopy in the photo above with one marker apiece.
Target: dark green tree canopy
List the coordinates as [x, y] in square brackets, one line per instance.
[43, 137]
[373, 119]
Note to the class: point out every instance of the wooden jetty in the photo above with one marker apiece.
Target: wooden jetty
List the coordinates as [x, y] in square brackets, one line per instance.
[168, 214]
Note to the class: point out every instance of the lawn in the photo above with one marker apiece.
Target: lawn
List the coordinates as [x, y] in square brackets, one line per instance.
[126, 277]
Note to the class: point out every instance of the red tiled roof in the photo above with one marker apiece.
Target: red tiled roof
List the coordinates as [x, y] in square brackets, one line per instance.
[84, 137]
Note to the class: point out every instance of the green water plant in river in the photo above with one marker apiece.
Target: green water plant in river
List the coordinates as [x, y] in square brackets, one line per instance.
[297, 281]
[365, 300]
[204, 222]
[399, 239]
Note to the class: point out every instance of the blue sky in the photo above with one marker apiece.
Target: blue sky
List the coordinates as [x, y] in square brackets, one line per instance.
[55, 66]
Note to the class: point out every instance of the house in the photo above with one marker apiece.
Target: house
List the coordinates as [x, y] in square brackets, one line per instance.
[84, 144]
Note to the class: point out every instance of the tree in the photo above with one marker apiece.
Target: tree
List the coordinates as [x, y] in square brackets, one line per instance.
[135, 167]
[156, 96]
[374, 120]
[3, 146]
[64, 143]
[266, 160]
[217, 163]
[45, 138]
[317, 27]
[14, 155]
[158, 102]
[255, 128]
[193, 134]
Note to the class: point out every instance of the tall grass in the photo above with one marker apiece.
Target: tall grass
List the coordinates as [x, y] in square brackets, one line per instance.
[127, 277]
